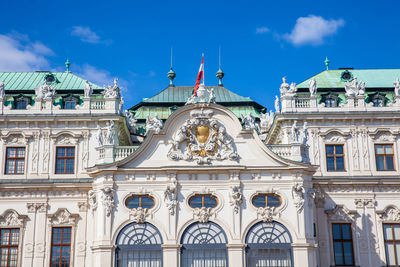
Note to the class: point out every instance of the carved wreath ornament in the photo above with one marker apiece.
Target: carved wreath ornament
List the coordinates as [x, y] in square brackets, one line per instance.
[203, 139]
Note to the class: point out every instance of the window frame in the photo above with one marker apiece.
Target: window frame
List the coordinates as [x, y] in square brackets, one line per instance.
[65, 158]
[202, 200]
[384, 156]
[394, 242]
[9, 246]
[342, 241]
[140, 200]
[266, 199]
[334, 155]
[61, 245]
[6, 159]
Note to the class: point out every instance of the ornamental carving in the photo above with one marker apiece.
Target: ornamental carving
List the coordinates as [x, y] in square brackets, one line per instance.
[16, 139]
[266, 214]
[298, 196]
[341, 214]
[64, 140]
[202, 139]
[203, 214]
[12, 218]
[236, 197]
[63, 216]
[108, 199]
[171, 196]
[391, 214]
[92, 200]
[384, 137]
[139, 215]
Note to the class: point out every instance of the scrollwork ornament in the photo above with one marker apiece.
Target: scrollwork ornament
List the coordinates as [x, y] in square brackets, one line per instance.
[171, 196]
[203, 214]
[266, 214]
[108, 199]
[236, 197]
[391, 214]
[139, 215]
[298, 196]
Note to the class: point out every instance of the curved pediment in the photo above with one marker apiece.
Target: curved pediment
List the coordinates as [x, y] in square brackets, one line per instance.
[203, 135]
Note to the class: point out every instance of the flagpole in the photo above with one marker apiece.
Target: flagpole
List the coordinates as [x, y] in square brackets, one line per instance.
[204, 74]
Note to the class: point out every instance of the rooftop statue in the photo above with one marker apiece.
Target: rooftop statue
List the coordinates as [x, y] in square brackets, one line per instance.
[249, 122]
[277, 104]
[2, 89]
[397, 87]
[131, 121]
[266, 119]
[312, 87]
[284, 87]
[211, 97]
[112, 91]
[88, 91]
[45, 92]
[292, 88]
[153, 124]
[110, 134]
[355, 88]
[191, 100]
[99, 136]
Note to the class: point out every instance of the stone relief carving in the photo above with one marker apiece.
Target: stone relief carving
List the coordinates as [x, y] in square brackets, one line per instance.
[112, 91]
[355, 152]
[367, 202]
[365, 151]
[46, 154]
[36, 207]
[354, 88]
[65, 140]
[341, 214]
[15, 139]
[205, 140]
[266, 214]
[139, 215]
[249, 122]
[63, 216]
[35, 151]
[236, 197]
[85, 152]
[108, 199]
[298, 196]
[203, 214]
[12, 218]
[391, 213]
[171, 196]
[92, 197]
[153, 124]
[384, 137]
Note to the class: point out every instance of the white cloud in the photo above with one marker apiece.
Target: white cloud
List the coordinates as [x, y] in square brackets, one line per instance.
[312, 30]
[20, 54]
[85, 34]
[262, 30]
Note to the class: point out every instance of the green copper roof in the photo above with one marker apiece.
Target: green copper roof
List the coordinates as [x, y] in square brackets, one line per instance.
[30, 80]
[180, 94]
[374, 78]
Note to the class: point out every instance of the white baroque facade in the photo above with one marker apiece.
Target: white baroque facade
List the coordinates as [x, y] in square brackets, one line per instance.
[316, 184]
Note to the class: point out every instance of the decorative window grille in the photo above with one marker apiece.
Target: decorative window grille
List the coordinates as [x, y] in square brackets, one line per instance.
[269, 245]
[15, 160]
[204, 244]
[139, 245]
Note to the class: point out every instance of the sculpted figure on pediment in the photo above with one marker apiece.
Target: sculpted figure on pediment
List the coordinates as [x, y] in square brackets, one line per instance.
[12, 218]
[63, 216]
[391, 213]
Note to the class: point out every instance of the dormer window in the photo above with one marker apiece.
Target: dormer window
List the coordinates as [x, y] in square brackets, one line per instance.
[50, 78]
[378, 100]
[330, 100]
[69, 105]
[70, 101]
[21, 102]
[346, 76]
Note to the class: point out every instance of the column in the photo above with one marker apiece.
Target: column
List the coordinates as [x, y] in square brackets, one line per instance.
[236, 257]
[171, 254]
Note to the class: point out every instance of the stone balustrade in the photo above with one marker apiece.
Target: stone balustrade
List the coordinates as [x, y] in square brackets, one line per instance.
[122, 152]
[111, 153]
[294, 151]
[89, 106]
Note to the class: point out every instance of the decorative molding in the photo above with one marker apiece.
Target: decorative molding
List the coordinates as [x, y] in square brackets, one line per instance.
[367, 202]
[267, 214]
[92, 198]
[83, 206]
[203, 214]
[63, 217]
[171, 195]
[139, 215]
[383, 136]
[37, 207]
[108, 199]
[389, 214]
[341, 214]
[11, 218]
[236, 197]
[298, 192]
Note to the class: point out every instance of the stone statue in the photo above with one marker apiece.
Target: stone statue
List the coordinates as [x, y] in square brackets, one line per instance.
[130, 121]
[2, 91]
[298, 196]
[88, 91]
[153, 124]
[112, 91]
[312, 87]
[191, 100]
[110, 134]
[249, 122]
[305, 134]
[294, 132]
[355, 88]
[99, 136]
[45, 92]
[211, 97]
[201, 93]
[396, 87]
[121, 105]
[277, 110]
[171, 196]
[108, 199]
[292, 88]
[266, 119]
[236, 197]
[284, 87]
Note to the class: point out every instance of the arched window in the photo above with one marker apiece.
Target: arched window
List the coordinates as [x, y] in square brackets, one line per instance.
[139, 245]
[204, 244]
[269, 244]
[203, 200]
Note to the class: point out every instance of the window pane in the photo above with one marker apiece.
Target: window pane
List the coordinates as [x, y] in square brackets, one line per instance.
[5, 235]
[389, 149]
[387, 231]
[132, 202]
[273, 201]
[70, 151]
[329, 150]
[389, 163]
[14, 236]
[336, 231]
[398, 252]
[20, 152]
[348, 253]
[337, 246]
[380, 163]
[396, 230]
[11, 152]
[339, 163]
[60, 152]
[330, 162]
[259, 201]
[339, 149]
[379, 149]
[390, 258]
[346, 231]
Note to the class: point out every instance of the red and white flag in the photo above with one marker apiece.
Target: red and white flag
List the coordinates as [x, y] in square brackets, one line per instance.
[199, 76]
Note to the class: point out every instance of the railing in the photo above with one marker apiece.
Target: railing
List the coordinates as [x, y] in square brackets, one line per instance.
[97, 104]
[284, 151]
[122, 152]
[302, 103]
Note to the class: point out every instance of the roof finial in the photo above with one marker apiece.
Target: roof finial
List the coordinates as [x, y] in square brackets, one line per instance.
[327, 61]
[67, 64]
[171, 74]
[220, 74]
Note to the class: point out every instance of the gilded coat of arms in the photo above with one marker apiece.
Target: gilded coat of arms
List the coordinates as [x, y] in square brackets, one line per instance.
[202, 139]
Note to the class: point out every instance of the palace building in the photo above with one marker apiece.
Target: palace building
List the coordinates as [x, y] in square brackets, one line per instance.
[210, 180]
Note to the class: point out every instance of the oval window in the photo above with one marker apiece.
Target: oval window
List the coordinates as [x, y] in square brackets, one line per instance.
[139, 201]
[266, 200]
[200, 201]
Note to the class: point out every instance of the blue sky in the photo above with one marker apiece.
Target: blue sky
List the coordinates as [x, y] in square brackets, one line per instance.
[261, 41]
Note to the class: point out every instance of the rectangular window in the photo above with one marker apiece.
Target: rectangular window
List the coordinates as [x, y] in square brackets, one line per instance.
[65, 157]
[342, 244]
[60, 246]
[20, 104]
[391, 233]
[15, 160]
[384, 157]
[69, 105]
[334, 157]
[9, 239]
